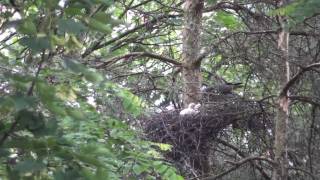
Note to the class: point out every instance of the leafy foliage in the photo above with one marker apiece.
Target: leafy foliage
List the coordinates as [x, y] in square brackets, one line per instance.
[299, 10]
[48, 128]
[227, 20]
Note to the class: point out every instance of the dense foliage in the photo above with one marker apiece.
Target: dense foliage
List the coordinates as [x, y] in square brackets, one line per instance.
[49, 129]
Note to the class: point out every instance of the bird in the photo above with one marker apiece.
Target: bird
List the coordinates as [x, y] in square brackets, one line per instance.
[191, 109]
[197, 106]
[223, 88]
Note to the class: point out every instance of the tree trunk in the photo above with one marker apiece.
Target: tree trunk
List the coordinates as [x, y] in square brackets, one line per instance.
[190, 51]
[191, 74]
[280, 171]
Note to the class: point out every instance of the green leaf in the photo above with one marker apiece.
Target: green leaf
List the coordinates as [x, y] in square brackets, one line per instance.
[73, 41]
[75, 114]
[5, 152]
[27, 27]
[161, 169]
[48, 98]
[58, 40]
[96, 149]
[87, 173]
[70, 174]
[171, 174]
[71, 26]
[99, 26]
[6, 104]
[102, 17]
[50, 128]
[46, 92]
[22, 143]
[101, 174]
[29, 166]
[163, 147]
[51, 3]
[36, 44]
[89, 74]
[23, 102]
[105, 2]
[287, 10]
[131, 102]
[298, 11]
[55, 107]
[30, 120]
[227, 20]
[89, 159]
[74, 66]
[18, 77]
[65, 154]
[93, 76]
[211, 1]
[85, 3]
[140, 168]
[73, 11]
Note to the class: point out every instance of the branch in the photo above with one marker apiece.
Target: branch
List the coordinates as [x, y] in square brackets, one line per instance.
[290, 83]
[8, 38]
[243, 155]
[135, 54]
[293, 33]
[140, 4]
[237, 165]
[233, 6]
[304, 171]
[211, 49]
[305, 99]
[127, 8]
[7, 134]
[98, 44]
[213, 46]
[43, 58]
[266, 98]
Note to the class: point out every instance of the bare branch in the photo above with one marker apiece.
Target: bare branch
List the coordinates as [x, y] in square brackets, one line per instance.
[243, 155]
[306, 99]
[238, 165]
[290, 83]
[99, 45]
[209, 50]
[128, 7]
[304, 171]
[140, 54]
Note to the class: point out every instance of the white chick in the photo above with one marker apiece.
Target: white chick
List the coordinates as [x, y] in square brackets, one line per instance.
[191, 109]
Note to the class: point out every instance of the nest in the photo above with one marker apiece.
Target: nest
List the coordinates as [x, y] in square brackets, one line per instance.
[191, 135]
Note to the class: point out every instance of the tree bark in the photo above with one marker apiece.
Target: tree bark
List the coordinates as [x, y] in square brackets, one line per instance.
[191, 75]
[280, 171]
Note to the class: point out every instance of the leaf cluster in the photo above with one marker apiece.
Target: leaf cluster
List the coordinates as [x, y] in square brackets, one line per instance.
[48, 130]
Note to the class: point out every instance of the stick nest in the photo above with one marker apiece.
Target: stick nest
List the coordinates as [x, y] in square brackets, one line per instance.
[191, 135]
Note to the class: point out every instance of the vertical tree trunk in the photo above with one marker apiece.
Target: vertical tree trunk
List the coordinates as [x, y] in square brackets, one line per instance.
[280, 171]
[191, 74]
[191, 47]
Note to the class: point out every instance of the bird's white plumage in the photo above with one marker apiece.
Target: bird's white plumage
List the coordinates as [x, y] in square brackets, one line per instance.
[197, 106]
[191, 109]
